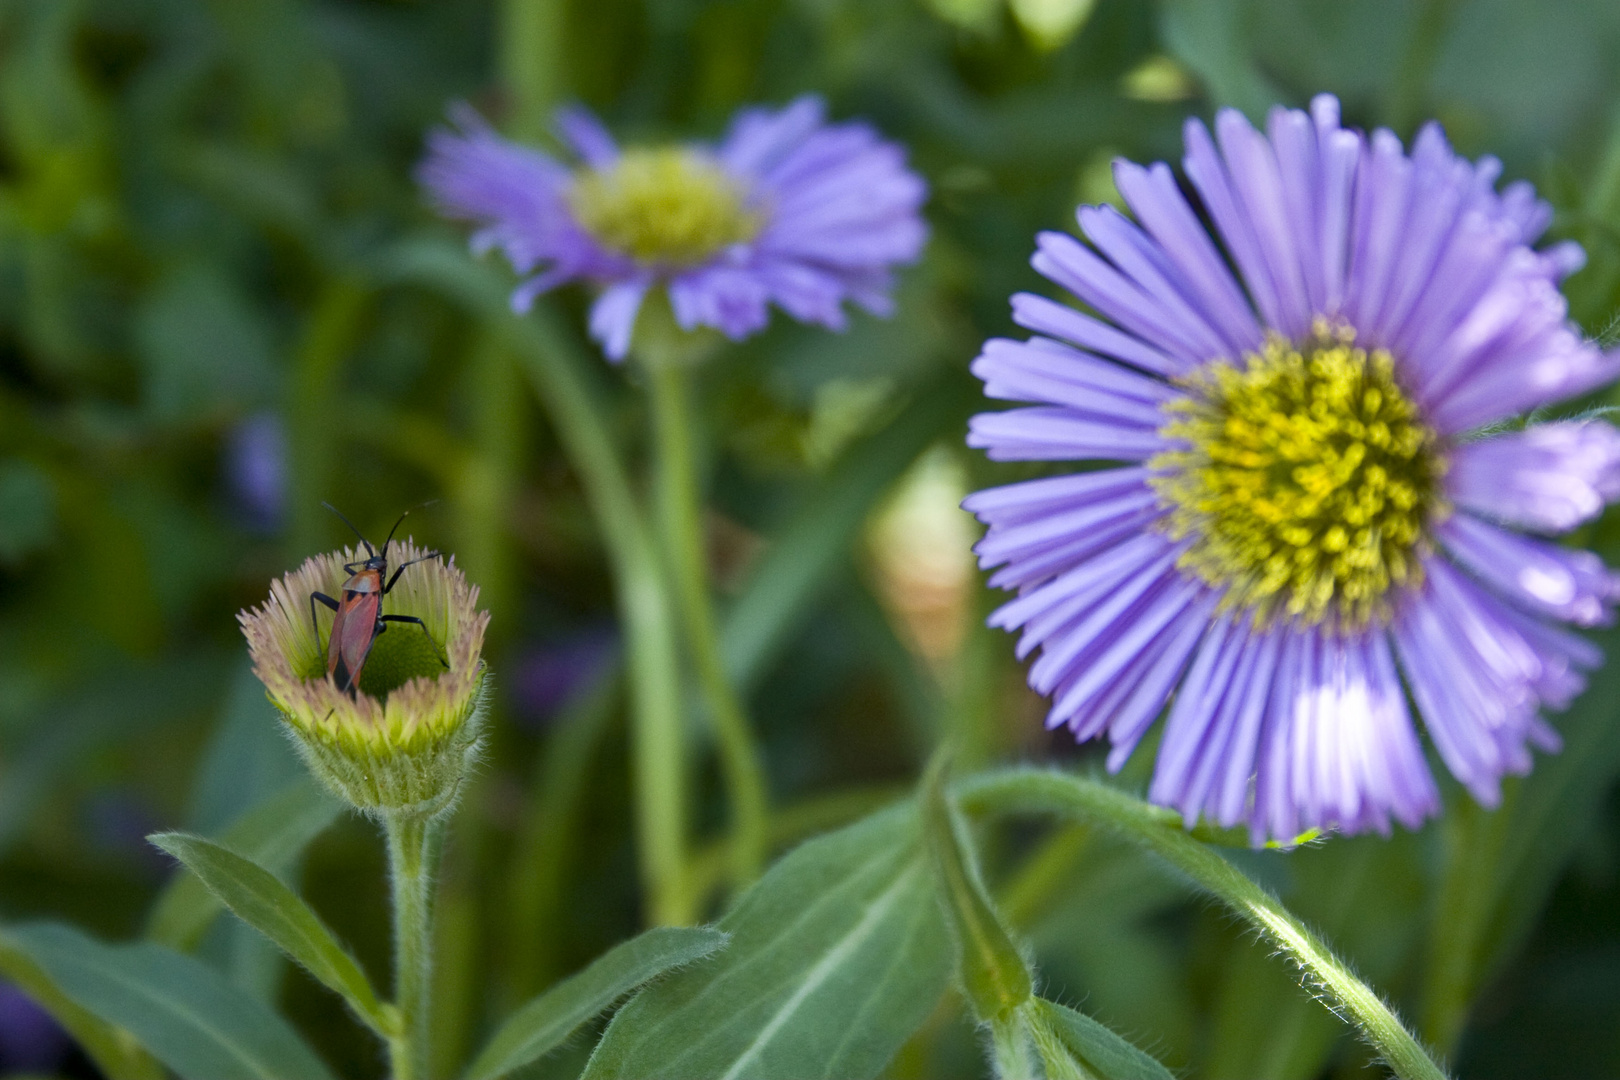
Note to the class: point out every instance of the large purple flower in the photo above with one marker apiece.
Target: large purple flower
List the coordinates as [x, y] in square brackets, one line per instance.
[1308, 518]
[788, 209]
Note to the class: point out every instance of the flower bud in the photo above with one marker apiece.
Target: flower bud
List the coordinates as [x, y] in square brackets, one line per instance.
[402, 740]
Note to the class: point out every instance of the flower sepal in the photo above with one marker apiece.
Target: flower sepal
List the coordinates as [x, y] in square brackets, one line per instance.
[387, 773]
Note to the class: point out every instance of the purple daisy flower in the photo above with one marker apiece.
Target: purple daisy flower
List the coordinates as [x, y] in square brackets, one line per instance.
[788, 209]
[1305, 523]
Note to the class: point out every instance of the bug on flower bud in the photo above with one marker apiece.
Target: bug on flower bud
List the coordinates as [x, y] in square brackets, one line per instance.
[359, 617]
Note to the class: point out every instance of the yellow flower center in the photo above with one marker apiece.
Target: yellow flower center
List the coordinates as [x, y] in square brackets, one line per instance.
[670, 206]
[1308, 481]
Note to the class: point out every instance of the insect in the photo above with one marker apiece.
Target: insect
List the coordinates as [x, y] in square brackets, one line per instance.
[359, 614]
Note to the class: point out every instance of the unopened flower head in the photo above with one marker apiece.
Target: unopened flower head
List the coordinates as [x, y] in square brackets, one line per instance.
[1307, 512]
[402, 741]
[787, 209]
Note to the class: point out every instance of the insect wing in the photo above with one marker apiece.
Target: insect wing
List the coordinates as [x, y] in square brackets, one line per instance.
[353, 631]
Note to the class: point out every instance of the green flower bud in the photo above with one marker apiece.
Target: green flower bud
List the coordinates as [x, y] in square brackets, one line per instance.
[403, 740]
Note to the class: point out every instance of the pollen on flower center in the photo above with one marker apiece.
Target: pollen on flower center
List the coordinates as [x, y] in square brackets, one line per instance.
[669, 205]
[1308, 480]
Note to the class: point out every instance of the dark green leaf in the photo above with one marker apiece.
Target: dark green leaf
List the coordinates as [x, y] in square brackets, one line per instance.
[837, 954]
[272, 834]
[542, 1024]
[178, 1008]
[259, 899]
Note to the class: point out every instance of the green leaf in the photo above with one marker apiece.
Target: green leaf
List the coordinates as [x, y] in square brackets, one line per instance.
[110, 1047]
[994, 976]
[260, 899]
[180, 1009]
[273, 834]
[837, 954]
[1096, 1049]
[541, 1025]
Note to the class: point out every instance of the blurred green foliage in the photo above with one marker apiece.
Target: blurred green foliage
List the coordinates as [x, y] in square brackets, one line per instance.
[211, 320]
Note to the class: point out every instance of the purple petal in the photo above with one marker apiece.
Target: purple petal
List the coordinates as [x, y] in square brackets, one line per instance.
[583, 132]
[760, 137]
[1052, 434]
[730, 299]
[1049, 317]
[1550, 477]
[1573, 586]
[613, 316]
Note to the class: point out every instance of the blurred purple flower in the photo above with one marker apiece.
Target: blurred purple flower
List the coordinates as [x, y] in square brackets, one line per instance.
[547, 677]
[256, 470]
[1308, 530]
[787, 209]
[30, 1038]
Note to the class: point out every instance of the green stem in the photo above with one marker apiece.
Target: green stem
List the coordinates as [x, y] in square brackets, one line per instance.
[560, 372]
[413, 854]
[485, 484]
[1037, 791]
[1010, 1048]
[658, 746]
[680, 506]
[533, 62]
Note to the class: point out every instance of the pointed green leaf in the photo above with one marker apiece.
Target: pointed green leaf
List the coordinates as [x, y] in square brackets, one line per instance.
[541, 1025]
[113, 1050]
[259, 898]
[272, 834]
[837, 955]
[994, 976]
[1096, 1049]
[179, 1008]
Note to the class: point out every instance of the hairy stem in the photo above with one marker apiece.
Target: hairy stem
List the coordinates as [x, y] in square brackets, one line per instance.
[680, 507]
[1039, 791]
[413, 855]
[1010, 1048]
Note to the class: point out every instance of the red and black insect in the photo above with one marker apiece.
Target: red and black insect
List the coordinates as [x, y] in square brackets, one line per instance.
[359, 614]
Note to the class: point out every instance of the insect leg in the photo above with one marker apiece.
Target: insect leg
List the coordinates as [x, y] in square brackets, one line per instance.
[329, 602]
[418, 622]
[390, 586]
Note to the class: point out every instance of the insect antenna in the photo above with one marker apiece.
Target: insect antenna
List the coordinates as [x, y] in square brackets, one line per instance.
[369, 549]
[402, 517]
